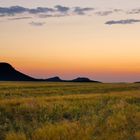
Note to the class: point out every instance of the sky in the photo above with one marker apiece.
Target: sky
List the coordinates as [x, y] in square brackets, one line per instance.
[67, 38]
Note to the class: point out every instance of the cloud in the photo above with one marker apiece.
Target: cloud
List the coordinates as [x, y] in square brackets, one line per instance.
[2, 15]
[13, 10]
[133, 11]
[9, 11]
[82, 11]
[49, 15]
[127, 21]
[37, 23]
[108, 12]
[19, 13]
[40, 10]
[62, 9]
[59, 10]
[19, 18]
[104, 13]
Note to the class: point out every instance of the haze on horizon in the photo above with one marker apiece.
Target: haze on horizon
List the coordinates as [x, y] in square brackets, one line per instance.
[96, 39]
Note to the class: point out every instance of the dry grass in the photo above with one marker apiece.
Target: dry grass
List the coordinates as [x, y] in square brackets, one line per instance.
[69, 111]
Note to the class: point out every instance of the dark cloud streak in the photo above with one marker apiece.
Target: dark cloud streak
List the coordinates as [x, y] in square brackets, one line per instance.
[126, 21]
[19, 18]
[81, 11]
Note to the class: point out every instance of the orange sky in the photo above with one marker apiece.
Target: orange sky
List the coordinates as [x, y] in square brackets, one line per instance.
[73, 46]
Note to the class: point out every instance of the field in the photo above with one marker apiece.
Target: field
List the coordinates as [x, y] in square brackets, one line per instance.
[69, 111]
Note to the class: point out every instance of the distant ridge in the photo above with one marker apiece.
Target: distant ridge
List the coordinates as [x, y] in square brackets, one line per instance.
[54, 79]
[9, 73]
[83, 79]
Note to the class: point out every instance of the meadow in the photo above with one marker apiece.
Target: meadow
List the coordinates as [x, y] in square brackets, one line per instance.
[69, 111]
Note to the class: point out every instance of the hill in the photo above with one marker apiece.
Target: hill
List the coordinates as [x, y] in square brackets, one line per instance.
[83, 79]
[9, 73]
[54, 79]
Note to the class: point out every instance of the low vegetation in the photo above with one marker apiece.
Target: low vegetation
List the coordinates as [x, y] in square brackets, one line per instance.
[69, 111]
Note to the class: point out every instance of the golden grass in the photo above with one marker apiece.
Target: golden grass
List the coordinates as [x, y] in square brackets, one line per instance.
[15, 136]
[69, 111]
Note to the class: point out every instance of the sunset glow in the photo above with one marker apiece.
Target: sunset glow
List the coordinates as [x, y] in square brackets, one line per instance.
[73, 45]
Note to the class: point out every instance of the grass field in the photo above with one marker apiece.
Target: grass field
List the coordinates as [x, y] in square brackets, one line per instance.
[69, 111]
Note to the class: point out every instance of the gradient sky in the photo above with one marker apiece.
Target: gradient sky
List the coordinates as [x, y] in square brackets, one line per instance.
[103, 44]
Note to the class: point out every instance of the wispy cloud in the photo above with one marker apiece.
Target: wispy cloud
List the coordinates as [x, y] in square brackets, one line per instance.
[40, 10]
[82, 11]
[62, 9]
[49, 15]
[2, 15]
[56, 11]
[20, 13]
[126, 21]
[19, 18]
[33, 23]
[134, 11]
[14, 10]
[108, 12]
[9, 11]
[104, 13]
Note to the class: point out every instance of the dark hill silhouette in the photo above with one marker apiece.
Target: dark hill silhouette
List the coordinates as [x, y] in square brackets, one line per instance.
[83, 79]
[8, 73]
[54, 79]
